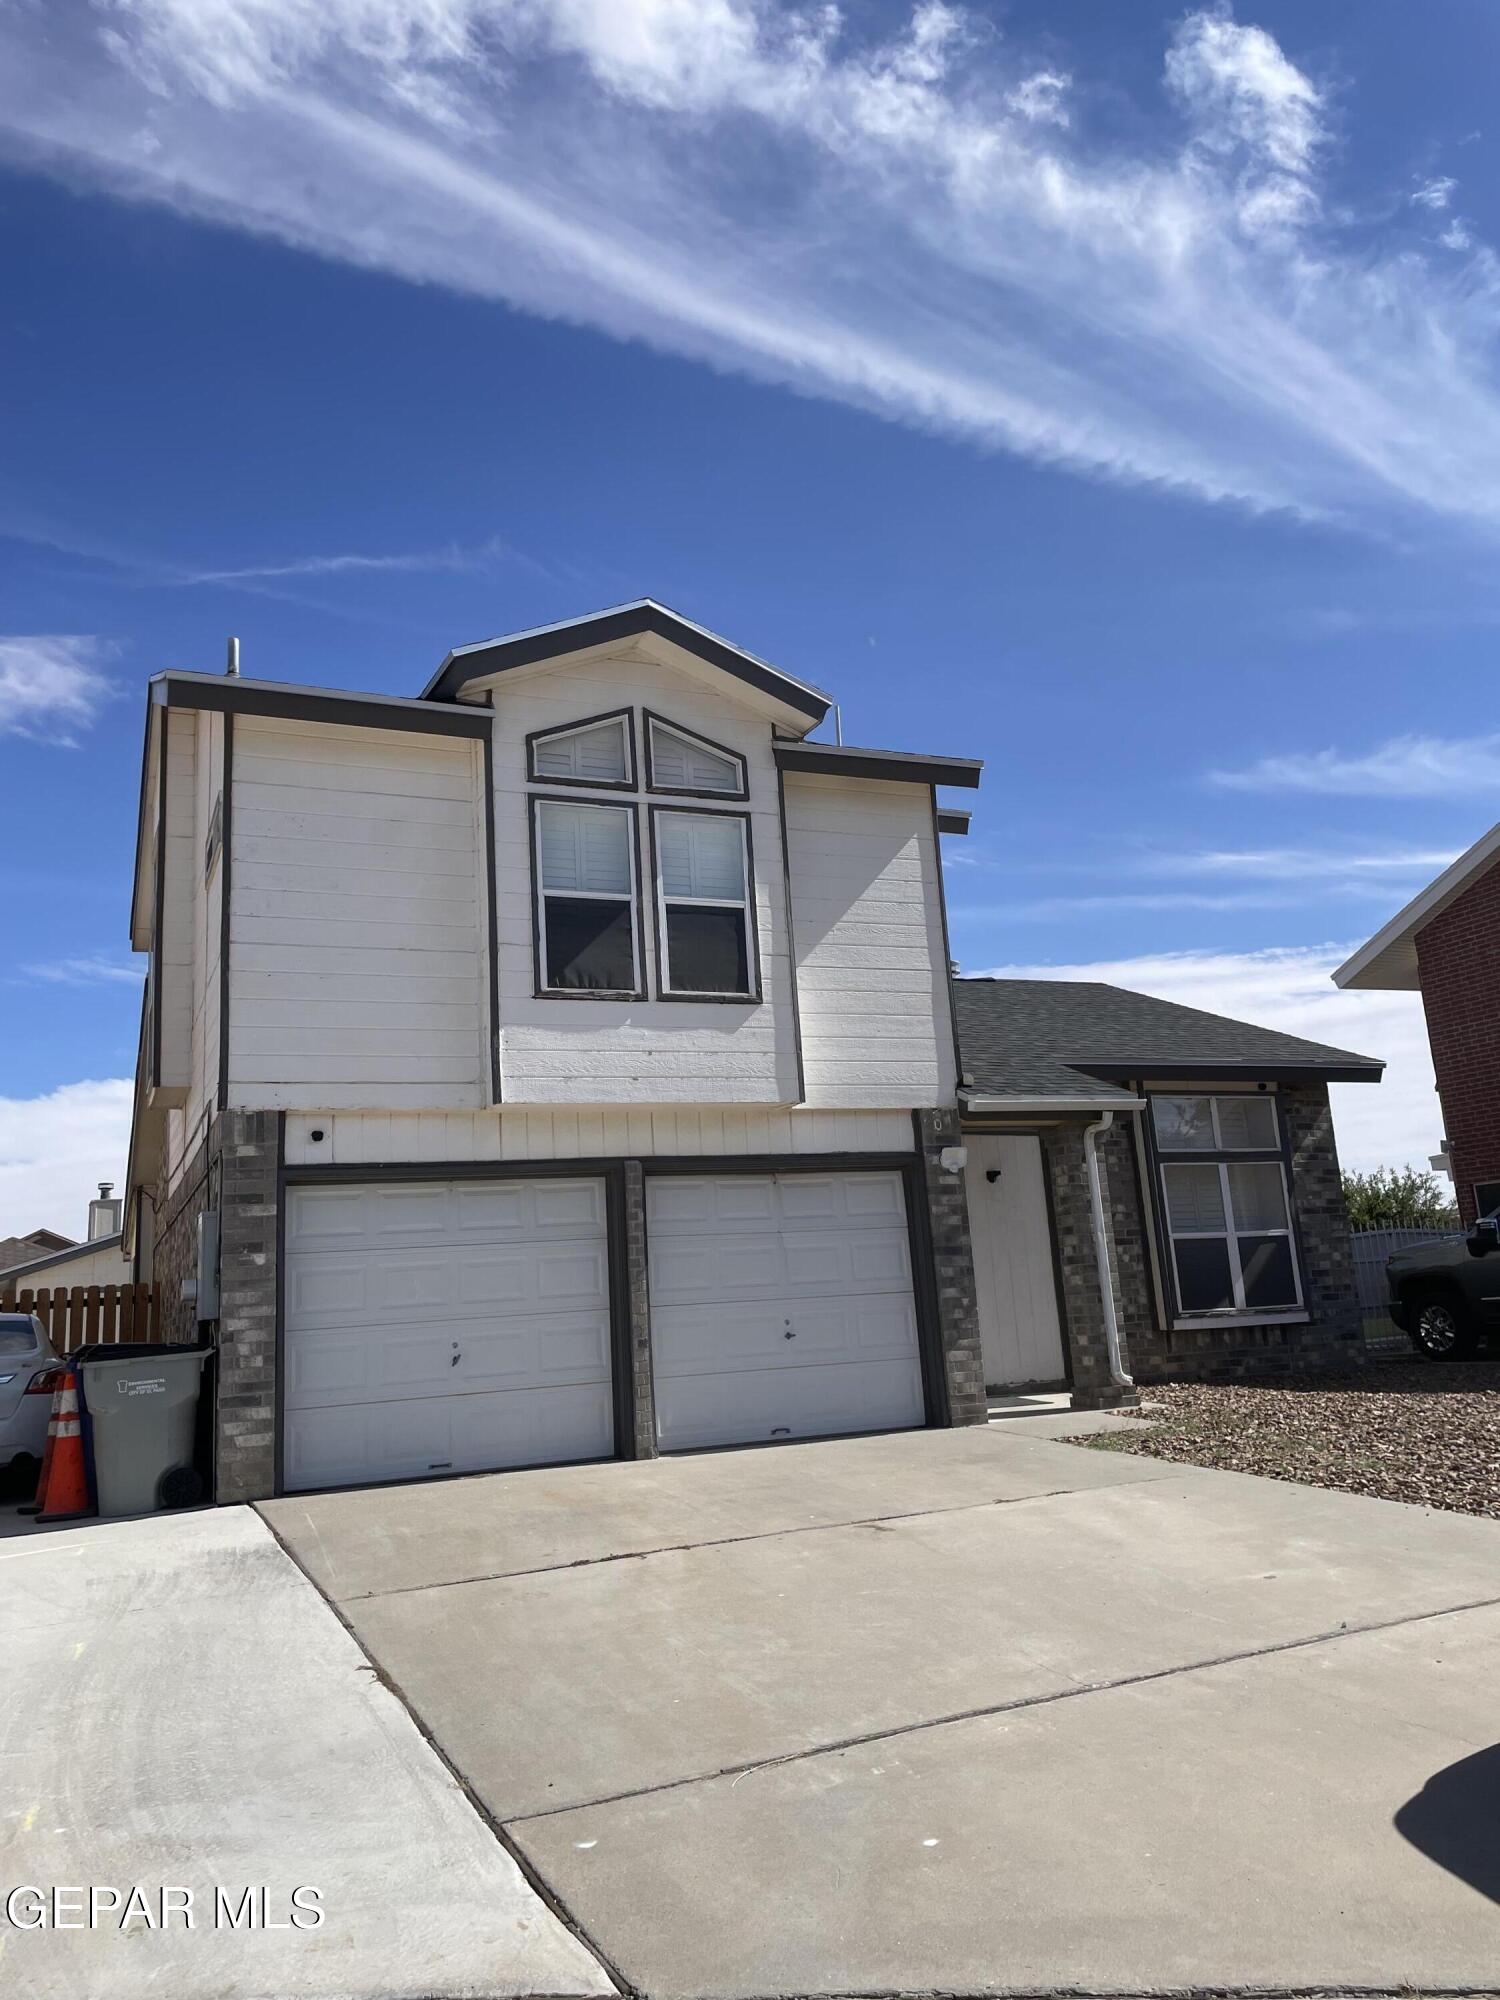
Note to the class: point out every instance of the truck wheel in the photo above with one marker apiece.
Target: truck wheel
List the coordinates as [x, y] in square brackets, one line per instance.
[1440, 1327]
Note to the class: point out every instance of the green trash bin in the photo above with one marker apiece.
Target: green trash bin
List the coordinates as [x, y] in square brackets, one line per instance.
[143, 1417]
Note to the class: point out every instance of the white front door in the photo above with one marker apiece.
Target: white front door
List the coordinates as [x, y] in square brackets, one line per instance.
[444, 1326]
[1011, 1232]
[781, 1306]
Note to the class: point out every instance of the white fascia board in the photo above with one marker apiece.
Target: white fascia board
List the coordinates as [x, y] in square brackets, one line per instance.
[1388, 962]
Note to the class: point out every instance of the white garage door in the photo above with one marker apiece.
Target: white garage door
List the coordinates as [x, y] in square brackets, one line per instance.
[781, 1306]
[444, 1327]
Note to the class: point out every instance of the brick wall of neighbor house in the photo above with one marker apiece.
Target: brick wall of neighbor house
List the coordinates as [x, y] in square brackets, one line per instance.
[1334, 1335]
[1458, 962]
[247, 1305]
[1078, 1266]
[947, 1209]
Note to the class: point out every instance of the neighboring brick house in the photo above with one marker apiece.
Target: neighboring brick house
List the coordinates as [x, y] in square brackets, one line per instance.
[1153, 1191]
[1446, 945]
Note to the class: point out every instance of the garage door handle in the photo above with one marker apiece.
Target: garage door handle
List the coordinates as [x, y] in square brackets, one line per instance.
[791, 1332]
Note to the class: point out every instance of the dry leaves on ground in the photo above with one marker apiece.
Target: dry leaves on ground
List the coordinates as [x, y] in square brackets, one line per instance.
[1424, 1433]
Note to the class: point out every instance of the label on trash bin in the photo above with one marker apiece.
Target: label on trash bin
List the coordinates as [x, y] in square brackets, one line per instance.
[136, 1385]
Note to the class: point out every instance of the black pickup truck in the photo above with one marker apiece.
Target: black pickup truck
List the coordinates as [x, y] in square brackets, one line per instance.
[1446, 1296]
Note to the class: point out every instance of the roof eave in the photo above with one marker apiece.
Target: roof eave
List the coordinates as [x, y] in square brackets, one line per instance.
[1205, 1069]
[620, 622]
[1386, 963]
[983, 1103]
[902, 767]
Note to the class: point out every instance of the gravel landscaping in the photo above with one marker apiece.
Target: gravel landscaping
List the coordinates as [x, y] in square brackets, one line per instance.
[1398, 1431]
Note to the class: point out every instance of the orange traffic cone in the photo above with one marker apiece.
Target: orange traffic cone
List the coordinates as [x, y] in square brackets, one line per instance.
[64, 1489]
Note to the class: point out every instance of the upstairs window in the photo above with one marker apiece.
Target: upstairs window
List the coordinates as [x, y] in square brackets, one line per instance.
[587, 941]
[599, 751]
[704, 918]
[679, 761]
[1228, 1222]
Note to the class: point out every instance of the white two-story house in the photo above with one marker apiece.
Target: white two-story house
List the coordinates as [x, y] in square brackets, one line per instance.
[557, 1065]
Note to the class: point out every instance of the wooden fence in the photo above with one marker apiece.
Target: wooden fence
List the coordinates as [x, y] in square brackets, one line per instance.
[77, 1315]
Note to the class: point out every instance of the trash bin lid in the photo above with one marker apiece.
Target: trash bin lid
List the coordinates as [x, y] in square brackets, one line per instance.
[130, 1350]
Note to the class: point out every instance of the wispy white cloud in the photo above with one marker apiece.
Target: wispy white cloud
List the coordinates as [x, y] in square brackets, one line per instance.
[1435, 193]
[1046, 909]
[1040, 98]
[1301, 864]
[1190, 313]
[1457, 236]
[51, 684]
[453, 557]
[56, 1148]
[1408, 767]
[93, 970]
[1396, 1122]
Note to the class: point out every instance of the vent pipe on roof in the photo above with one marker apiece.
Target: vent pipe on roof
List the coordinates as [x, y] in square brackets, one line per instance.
[838, 724]
[232, 665]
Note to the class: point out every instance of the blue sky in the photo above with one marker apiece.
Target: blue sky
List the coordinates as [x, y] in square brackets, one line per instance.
[1110, 392]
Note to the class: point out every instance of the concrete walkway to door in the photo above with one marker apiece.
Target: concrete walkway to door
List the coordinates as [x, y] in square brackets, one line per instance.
[970, 1711]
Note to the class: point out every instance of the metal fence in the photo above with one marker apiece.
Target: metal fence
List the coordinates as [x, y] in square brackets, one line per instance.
[1371, 1248]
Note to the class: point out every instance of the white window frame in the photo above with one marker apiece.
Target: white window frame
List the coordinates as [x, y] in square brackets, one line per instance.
[741, 790]
[623, 717]
[631, 898]
[745, 904]
[1223, 1158]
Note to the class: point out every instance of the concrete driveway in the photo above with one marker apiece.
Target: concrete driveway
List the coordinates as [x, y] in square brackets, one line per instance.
[972, 1711]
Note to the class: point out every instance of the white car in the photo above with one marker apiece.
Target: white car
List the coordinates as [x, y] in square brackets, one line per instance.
[30, 1369]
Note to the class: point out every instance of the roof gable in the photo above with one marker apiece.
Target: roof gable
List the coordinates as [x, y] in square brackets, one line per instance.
[1387, 963]
[805, 706]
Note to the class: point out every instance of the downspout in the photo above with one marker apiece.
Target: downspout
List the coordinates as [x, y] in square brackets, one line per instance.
[1117, 1373]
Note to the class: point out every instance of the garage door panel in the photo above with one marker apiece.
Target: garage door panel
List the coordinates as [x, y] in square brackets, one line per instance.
[816, 1402]
[704, 1270]
[445, 1357]
[754, 1335]
[404, 1303]
[367, 1442]
[732, 1201]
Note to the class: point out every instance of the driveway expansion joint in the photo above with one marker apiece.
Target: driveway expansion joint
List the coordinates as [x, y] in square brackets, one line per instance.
[529, 1873]
[735, 1541]
[1146, 1679]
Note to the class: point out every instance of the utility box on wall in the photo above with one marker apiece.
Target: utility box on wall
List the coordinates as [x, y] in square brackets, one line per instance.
[208, 1264]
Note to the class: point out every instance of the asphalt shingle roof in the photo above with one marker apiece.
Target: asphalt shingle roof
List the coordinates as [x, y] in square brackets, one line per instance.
[1053, 1037]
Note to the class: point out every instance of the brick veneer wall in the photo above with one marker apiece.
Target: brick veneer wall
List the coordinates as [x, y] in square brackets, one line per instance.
[638, 1309]
[249, 1158]
[1333, 1336]
[1458, 963]
[1078, 1266]
[947, 1215]
[174, 1247]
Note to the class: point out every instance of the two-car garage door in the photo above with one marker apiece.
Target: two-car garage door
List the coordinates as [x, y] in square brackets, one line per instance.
[435, 1327]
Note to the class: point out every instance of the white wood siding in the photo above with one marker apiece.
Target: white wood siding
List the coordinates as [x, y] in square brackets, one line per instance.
[656, 1052]
[185, 1128]
[367, 1138]
[872, 981]
[357, 961]
[175, 971]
